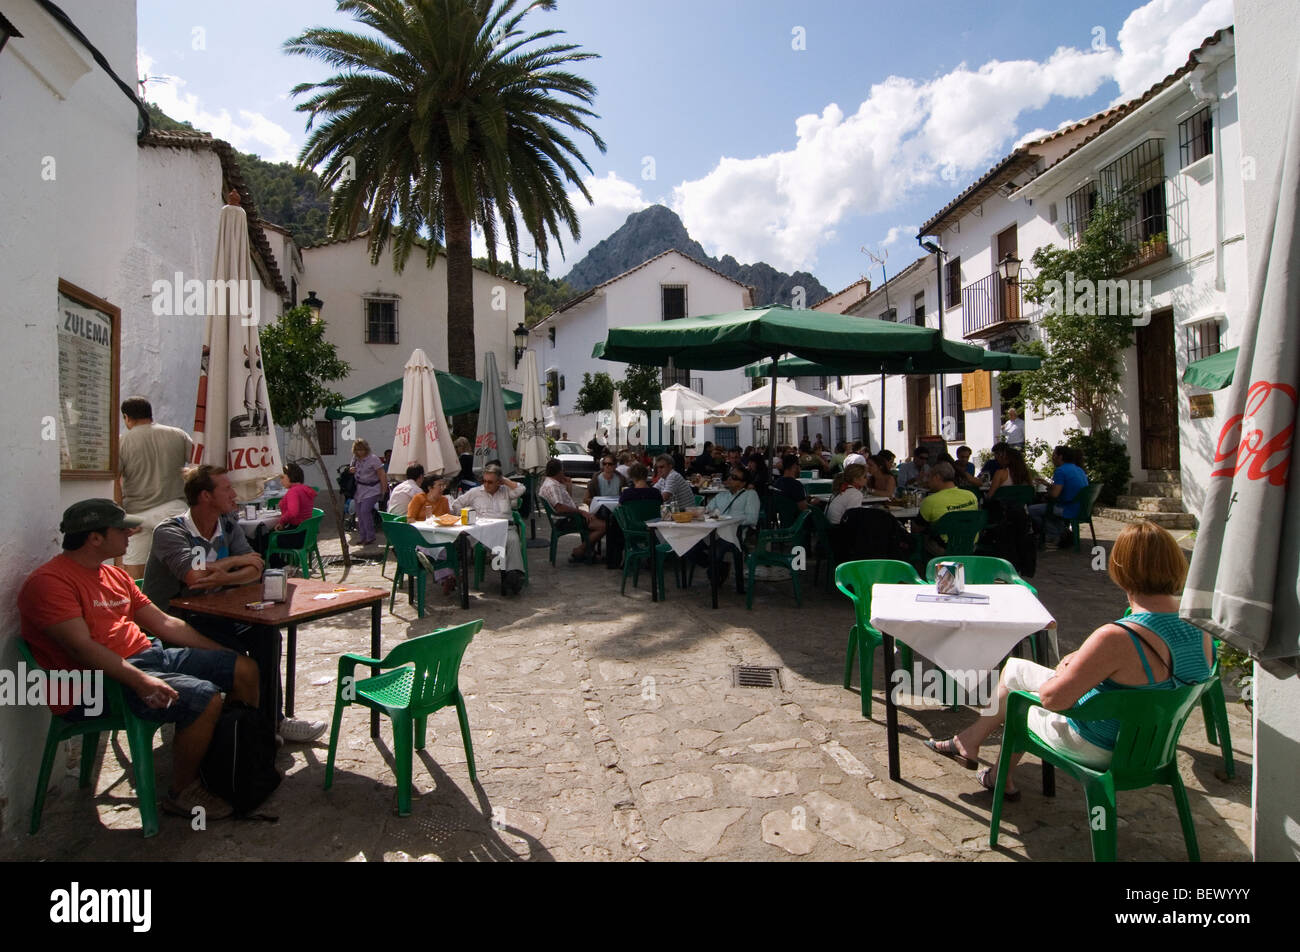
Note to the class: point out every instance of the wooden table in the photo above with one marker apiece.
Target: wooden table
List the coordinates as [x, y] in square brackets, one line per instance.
[955, 637]
[300, 606]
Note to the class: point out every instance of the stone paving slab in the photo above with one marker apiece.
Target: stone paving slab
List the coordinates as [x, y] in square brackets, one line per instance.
[606, 728]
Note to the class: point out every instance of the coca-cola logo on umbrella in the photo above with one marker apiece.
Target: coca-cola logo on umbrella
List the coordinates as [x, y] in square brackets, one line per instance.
[1244, 444]
[486, 441]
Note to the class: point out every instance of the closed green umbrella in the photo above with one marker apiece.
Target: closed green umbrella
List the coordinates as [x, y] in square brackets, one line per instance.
[1213, 372]
[459, 395]
[737, 338]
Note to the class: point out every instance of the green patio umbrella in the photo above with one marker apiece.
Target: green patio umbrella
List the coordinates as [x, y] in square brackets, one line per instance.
[1213, 372]
[737, 338]
[459, 395]
[913, 364]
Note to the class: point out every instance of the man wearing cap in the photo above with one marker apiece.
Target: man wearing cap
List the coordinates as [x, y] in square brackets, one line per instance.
[150, 460]
[204, 550]
[78, 613]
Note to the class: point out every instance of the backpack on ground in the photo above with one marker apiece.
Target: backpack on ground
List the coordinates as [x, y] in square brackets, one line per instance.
[239, 766]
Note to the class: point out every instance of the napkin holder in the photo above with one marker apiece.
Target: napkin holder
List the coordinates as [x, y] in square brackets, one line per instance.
[275, 585]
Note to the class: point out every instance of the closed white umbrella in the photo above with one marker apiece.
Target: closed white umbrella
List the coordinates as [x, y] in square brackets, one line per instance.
[533, 451]
[790, 402]
[232, 415]
[493, 440]
[1244, 582]
[422, 434]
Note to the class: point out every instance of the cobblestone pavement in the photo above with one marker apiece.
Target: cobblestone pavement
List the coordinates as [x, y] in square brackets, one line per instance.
[606, 727]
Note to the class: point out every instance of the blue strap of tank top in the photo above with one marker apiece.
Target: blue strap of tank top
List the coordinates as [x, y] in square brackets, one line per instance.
[1137, 643]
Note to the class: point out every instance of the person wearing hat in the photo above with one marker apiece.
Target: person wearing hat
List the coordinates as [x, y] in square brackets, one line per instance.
[77, 613]
[204, 550]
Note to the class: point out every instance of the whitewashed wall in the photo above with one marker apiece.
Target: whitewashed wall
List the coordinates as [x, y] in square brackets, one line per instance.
[342, 276]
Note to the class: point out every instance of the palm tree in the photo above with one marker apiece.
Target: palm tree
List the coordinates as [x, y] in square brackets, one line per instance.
[447, 117]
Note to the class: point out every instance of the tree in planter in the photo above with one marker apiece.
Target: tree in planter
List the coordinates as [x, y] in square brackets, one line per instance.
[1081, 350]
[298, 362]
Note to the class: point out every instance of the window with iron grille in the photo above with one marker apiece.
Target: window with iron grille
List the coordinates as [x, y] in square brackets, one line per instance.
[672, 375]
[325, 437]
[725, 436]
[1140, 175]
[1202, 340]
[1079, 206]
[552, 388]
[953, 276]
[918, 309]
[890, 315]
[674, 301]
[840, 427]
[381, 321]
[952, 408]
[1195, 139]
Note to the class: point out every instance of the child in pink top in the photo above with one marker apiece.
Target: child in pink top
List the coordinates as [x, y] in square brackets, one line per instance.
[296, 506]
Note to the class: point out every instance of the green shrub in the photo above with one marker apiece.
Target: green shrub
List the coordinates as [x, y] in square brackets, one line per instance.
[1105, 460]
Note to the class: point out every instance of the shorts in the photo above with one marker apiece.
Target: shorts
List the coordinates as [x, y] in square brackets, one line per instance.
[1051, 728]
[139, 545]
[197, 675]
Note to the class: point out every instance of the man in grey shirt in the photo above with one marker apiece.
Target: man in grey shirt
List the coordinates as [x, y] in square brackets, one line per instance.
[672, 484]
[150, 463]
[203, 550]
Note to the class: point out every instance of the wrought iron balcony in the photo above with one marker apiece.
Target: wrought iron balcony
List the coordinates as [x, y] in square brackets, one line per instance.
[991, 306]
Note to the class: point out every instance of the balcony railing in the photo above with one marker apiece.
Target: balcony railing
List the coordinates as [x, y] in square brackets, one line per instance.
[990, 306]
[671, 376]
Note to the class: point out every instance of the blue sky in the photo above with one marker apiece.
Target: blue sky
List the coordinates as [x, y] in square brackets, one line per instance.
[791, 132]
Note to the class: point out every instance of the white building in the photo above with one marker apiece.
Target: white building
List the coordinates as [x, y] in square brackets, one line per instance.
[376, 317]
[87, 203]
[668, 286]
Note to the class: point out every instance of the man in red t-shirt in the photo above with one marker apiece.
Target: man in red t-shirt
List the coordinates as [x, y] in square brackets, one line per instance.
[78, 613]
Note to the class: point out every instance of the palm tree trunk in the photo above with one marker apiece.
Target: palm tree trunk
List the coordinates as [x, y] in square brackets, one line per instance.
[462, 358]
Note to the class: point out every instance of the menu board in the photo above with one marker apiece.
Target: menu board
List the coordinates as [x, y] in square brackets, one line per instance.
[87, 330]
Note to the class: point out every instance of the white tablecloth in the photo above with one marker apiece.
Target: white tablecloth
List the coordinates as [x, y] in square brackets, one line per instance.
[958, 636]
[490, 532]
[683, 536]
[609, 502]
[265, 517]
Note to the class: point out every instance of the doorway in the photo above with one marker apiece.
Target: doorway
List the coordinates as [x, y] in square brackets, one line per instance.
[1007, 244]
[920, 411]
[1158, 392]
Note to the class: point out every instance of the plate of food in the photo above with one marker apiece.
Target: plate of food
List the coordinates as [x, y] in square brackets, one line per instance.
[448, 520]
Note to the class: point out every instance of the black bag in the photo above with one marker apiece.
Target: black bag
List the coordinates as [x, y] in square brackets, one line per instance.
[239, 766]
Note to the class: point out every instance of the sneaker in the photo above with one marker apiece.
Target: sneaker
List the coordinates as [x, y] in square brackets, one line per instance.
[197, 795]
[295, 730]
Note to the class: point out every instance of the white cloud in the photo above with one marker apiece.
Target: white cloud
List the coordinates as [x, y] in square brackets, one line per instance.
[899, 233]
[249, 132]
[784, 206]
[1156, 38]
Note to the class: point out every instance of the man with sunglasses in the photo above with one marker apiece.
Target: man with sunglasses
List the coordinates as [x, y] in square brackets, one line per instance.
[495, 499]
[738, 501]
[608, 482]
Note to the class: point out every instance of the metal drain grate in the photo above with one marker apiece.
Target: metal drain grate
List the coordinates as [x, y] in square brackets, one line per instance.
[754, 676]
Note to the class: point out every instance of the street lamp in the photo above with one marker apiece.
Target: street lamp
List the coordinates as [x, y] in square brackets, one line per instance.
[1010, 269]
[314, 304]
[521, 342]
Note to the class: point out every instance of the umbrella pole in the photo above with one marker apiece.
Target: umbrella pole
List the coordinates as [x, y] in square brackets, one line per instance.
[882, 413]
[771, 432]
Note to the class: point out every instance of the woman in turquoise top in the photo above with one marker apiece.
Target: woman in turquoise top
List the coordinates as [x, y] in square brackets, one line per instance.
[1150, 650]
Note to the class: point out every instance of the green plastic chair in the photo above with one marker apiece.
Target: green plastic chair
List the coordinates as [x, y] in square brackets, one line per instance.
[1087, 498]
[855, 579]
[418, 677]
[981, 570]
[310, 527]
[405, 539]
[563, 525]
[819, 537]
[1015, 495]
[639, 543]
[481, 552]
[1146, 753]
[273, 502]
[767, 553]
[116, 716]
[961, 530]
[385, 518]
[1214, 709]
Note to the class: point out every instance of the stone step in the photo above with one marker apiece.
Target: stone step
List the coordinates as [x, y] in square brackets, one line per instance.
[1168, 520]
[1150, 503]
[1164, 476]
[1168, 490]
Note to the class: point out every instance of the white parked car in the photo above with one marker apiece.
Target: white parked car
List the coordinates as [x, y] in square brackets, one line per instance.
[575, 459]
